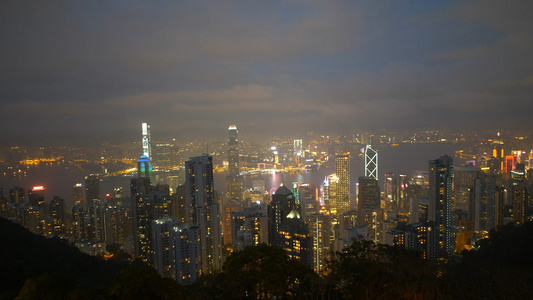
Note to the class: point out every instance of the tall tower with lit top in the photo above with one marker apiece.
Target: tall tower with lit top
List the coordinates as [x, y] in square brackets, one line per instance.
[146, 140]
[371, 162]
[233, 178]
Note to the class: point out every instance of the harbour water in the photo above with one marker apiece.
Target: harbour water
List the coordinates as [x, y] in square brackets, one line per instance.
[403, 159]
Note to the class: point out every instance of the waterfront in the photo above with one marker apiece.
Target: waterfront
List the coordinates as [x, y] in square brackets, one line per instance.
[403, 159]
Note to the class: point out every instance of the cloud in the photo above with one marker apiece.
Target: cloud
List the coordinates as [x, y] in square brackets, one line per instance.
[282, 65]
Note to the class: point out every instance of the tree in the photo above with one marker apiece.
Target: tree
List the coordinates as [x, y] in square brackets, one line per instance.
[144, 283]
[366, 270]
[258, 272]
[50, 287]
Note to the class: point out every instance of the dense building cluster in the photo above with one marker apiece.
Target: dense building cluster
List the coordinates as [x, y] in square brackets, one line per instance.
[187, 230]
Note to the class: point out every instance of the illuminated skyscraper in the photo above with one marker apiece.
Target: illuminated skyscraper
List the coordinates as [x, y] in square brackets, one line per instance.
[278, 209]
[203, 211]
[233, 151]
[308, 196]
[146, 140]
[143, 216]
[286, 227]
[390, 186]
[248, 228]
[440, 208]
[36, 196]
[78, 223]
[519, 195]
[371, 162]
[95, 221]
[330, 193]
[228, 209]
[320, 227]
[78, 193]
[342, 170]
[233, 178]
[164, 253]
[57, 215]
[178, 204]
[295, 238]
[298, 150]
[176, 249]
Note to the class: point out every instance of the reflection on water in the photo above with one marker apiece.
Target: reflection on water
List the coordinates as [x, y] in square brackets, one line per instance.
[405, 159]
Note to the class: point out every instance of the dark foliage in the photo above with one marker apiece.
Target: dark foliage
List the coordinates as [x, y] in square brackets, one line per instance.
[144, 283]
[366, 270]
[502, 267]
[26, 255]
[35, 267]
[260, 272]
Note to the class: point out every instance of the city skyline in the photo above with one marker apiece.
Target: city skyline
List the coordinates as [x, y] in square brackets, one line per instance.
[91, 71]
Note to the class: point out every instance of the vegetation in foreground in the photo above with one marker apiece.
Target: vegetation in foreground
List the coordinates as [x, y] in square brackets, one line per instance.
[35, 267]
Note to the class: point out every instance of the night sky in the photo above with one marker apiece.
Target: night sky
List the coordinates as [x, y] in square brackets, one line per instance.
[90, 70]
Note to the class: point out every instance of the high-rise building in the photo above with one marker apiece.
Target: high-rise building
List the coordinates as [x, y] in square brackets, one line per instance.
[146, 140]
[403, 201]
[298, 150]
[176, 249]
[308, 198]
[163, 245]
[57, 215]
[330, 194]
[248, 228]
[320, 228]
[371, 163]
[36, 196]
[440, 207]
[17, 195]
[234, 186]
[143, 216]
[519, 194]
[150, 203]
[369, 195]
[464, 180]
[118, 224]
[95, 221]
[178, 204]
[78, 193]
[233, 151]
[228, 209]
[342, 170]
[92, 189]
[203, 211]
[282, 203]
[187, 244]
[483, 205]
[295, 239]
[165, 154]
[78, 223]
[390, 185]
[286, 227]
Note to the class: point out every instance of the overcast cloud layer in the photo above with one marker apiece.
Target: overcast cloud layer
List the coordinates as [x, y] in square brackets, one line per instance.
[97, 69]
